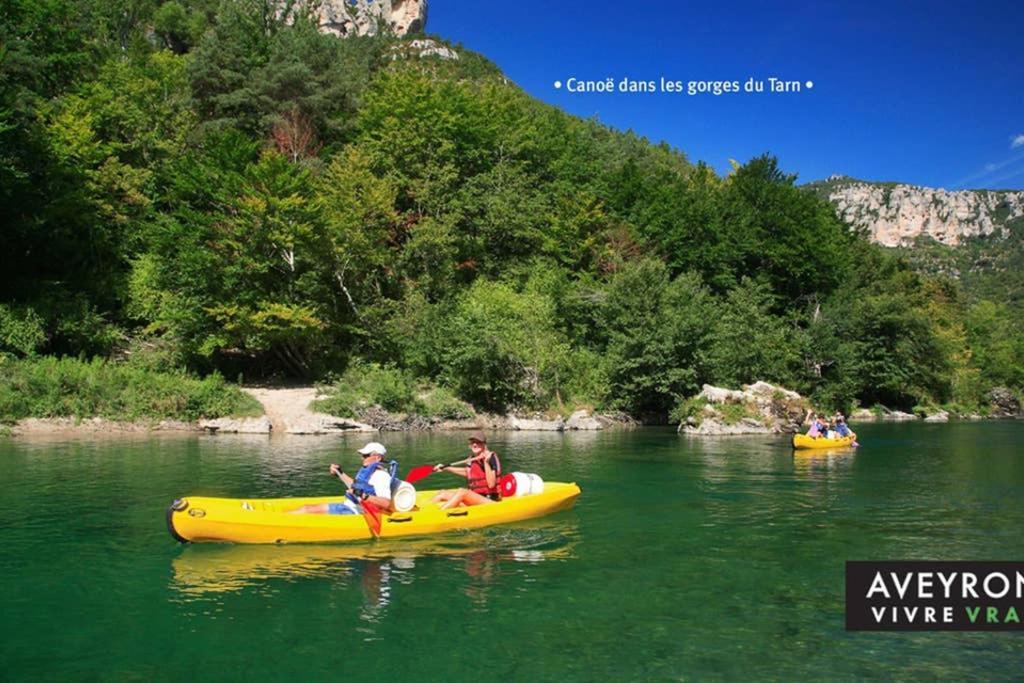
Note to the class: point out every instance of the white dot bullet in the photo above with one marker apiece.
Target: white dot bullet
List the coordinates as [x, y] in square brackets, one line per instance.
[809, 84]
[558, 84]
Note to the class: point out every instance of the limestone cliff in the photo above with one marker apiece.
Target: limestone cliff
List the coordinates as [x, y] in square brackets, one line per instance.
[894, 214]
[372, 17]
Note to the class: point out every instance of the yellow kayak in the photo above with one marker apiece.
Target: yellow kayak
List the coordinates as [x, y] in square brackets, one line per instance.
[264, 520]
[801, 441]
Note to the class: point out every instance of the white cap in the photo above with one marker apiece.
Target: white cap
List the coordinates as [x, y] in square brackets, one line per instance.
[373, 447]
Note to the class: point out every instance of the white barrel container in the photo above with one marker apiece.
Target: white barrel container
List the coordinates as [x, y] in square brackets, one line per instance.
[404, 497]
[522, 484]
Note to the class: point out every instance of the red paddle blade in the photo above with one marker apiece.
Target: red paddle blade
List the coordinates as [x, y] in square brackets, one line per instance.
[417, 473]
[372, 515]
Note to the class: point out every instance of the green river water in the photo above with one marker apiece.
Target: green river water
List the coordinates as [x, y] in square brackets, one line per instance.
[683, 559]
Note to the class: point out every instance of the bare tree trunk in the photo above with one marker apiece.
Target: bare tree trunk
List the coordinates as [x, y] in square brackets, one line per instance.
[299, 357]
[287, 362]
[296, 362]
[339, 275]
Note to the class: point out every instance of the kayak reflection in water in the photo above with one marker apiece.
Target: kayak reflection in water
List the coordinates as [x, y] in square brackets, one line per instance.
[481, 568]
[374, 572]
[375, 582]
[481, 473]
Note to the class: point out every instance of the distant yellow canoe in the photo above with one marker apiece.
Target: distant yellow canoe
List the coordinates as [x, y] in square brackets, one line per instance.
[801, 441]
[264, 520]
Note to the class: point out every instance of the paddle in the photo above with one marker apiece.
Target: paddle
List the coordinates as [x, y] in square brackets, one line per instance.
[424, 471]
[371, 513]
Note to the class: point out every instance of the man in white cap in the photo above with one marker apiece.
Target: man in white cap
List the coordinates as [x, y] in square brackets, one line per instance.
[372, 483]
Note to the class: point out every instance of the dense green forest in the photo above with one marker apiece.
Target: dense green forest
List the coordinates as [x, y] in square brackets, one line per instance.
[217, 187]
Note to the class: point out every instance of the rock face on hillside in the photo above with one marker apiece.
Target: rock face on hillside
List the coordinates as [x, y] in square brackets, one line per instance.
[759, 408]
[1003, 403]
[372, 17]
[423, 47]
[894, 215]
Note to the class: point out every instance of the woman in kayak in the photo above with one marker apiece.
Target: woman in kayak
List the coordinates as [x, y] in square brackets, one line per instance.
[481, 473]
[372, 484]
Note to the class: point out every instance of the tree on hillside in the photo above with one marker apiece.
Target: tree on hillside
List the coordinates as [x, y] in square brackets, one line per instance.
[257, 64]
[357, 211]
[501, 348]
[236, 264]
[656, 332]
[748, 343]
[777, 231]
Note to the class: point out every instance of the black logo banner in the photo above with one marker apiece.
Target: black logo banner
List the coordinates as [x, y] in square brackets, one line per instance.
[934, 596]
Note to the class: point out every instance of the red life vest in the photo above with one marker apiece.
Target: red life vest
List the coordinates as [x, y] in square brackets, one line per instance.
[476, 476]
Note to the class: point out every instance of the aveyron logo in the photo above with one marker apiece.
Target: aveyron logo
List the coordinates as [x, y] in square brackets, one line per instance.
[934, 596]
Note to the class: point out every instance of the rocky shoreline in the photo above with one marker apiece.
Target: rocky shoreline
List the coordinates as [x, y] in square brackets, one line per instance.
[326, 424]
[98, 426]
[287, 411]
[382, 421]
[759, 408]
[763, 408]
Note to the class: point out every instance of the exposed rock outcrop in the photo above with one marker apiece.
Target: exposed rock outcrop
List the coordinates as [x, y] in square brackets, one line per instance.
[382, 420]
[423, 47]
[231, 425]
[376, 418]
[582, 420]
[327, 424]
[759, 408]
[60, 427]
[880, 414]
[372, 17]
[1003, 403]
[532, 425]
[713, 425]
[894, 214]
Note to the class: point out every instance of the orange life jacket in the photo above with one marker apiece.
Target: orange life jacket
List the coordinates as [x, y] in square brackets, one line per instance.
[476, 476]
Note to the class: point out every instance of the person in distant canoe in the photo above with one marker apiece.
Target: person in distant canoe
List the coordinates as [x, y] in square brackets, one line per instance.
[815, 430]
[842, 429]
[481, 473]
[825, 428]
[372, 484]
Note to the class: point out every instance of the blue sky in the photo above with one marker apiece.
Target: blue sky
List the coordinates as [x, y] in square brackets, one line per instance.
[930, 93]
